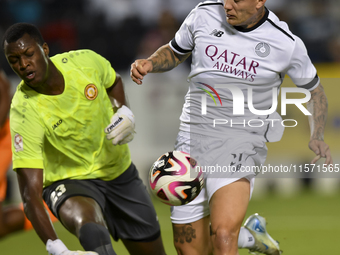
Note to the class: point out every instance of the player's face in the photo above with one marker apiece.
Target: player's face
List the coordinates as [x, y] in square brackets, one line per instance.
[28, 59]
[243, 12]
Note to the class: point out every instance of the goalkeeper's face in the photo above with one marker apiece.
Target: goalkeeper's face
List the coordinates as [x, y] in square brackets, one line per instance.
[28, 59]
[245, 13]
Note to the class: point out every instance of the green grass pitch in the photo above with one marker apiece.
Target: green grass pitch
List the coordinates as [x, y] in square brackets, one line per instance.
[306, 224]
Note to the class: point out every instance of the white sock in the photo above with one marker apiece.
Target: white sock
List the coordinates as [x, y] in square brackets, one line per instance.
[245, 239]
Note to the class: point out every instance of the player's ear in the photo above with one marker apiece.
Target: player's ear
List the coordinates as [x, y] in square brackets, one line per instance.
[46, 49]
[260, 3]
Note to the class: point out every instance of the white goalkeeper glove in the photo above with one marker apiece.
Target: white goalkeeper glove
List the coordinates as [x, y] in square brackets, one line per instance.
[122, 126]
[57, 247]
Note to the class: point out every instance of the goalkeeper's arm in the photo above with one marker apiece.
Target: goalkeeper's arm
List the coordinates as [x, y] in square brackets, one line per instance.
[31, 186]
[122, 126]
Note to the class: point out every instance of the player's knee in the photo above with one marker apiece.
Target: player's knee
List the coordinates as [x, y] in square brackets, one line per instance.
[75, 212]
[80, 222]
[12, 220]
[223, 235]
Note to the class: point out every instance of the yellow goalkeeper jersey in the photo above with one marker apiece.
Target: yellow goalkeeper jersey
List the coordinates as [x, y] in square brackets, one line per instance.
[64, 134]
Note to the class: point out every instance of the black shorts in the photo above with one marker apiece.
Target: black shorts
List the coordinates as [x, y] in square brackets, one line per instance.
[125, 203]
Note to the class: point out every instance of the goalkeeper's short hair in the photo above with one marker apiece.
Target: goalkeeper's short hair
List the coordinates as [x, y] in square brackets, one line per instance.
[17, 30]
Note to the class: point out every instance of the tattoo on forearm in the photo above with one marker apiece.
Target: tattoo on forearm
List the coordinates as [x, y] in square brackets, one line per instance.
[184, 233]
[318, 106]
[164, 59]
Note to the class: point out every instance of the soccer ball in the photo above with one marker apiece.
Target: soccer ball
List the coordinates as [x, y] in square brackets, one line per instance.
[176, 178]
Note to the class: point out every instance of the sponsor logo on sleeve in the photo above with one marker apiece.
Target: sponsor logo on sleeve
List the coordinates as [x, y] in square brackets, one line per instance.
[18, 143]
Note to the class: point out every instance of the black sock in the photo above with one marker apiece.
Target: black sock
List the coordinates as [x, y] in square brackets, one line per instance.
[95, 237]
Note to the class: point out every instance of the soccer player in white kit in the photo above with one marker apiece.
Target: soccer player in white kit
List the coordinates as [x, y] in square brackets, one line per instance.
[236, 45]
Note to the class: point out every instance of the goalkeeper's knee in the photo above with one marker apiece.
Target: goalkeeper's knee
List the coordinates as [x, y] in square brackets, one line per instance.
[95, 237]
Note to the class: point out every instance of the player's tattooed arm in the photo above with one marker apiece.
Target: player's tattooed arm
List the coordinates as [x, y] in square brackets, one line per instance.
[318, 107]
[165, 59]
[184, 233]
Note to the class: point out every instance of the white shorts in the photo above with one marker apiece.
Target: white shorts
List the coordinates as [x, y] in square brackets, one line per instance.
[223, 161]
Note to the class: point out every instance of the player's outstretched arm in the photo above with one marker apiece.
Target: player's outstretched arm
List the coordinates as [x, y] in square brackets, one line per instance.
[164, 59]
[31, 186]
[318, 106]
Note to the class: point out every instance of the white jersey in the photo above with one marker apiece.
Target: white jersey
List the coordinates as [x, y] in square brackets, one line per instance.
[257, 58]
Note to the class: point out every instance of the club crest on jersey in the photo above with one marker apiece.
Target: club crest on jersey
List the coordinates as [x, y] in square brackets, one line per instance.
[91, 92]
[262, 49]
[18, 143]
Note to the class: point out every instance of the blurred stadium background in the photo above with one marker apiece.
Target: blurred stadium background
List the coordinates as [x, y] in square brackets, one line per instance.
[302, 209]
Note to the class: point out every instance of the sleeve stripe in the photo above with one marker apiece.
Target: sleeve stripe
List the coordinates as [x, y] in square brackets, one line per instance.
[312, 84]
[178, 49]
[279, 28]
[204, 4]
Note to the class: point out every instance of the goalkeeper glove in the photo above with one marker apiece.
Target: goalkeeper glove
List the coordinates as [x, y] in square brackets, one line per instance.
[122, 126]
[57, 247]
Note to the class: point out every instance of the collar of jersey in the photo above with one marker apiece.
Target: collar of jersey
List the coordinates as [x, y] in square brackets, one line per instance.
[264, 18]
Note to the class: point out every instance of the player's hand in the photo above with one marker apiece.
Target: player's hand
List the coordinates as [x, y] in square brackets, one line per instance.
[139, 69]
[122, 127]
[57, 247]
[321, 149]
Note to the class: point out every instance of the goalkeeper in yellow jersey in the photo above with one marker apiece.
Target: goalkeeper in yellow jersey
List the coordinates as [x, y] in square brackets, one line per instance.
[69, 127]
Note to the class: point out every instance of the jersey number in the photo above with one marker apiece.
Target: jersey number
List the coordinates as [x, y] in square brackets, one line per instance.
[57, 193]
[236, 161]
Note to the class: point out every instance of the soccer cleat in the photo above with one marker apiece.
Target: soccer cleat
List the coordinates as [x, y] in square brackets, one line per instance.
[264, 243]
